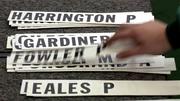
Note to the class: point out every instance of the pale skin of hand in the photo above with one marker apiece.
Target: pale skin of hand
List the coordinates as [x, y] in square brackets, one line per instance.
[149, 38]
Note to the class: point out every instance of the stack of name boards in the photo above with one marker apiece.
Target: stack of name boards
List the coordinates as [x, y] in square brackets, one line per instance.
[57, 52]
[62, 52]
[39, 52]
[50, 52]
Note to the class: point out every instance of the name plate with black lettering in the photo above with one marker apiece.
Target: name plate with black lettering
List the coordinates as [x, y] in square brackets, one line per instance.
[52, 88]
[79, 56]
[41, 19]
[79, 17]
[40, 41]
[140, 68]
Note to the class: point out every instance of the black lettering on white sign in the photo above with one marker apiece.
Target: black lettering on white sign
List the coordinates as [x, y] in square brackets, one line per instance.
[38, 43]
[54, 88]
[108, 86]
[79, 56]
[62, 16]
[79, 18]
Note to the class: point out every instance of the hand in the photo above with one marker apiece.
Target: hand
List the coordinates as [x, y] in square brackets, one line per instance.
[149, 38]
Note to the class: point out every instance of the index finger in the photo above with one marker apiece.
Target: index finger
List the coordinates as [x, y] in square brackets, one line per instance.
[118, 36]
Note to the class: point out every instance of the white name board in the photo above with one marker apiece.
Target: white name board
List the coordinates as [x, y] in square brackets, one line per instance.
[57, 40]
[77, 56]
[41, 19]
[144, 68]
[52, 88]
[79, 17]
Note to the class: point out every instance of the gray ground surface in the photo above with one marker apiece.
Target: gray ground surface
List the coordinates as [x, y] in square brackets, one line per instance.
[10, 82]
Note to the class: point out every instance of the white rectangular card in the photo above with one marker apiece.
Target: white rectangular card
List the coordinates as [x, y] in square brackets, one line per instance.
[169, 66]
[57, 40]
[75, 17]
[74, 56]
[52, 88]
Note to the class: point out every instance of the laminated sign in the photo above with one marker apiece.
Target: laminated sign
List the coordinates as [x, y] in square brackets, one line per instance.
[46, 41]
[54, 88]
[40, 19]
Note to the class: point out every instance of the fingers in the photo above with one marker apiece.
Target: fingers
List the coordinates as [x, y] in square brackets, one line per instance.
[131, 52]
[123, 32]
[118, 36]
